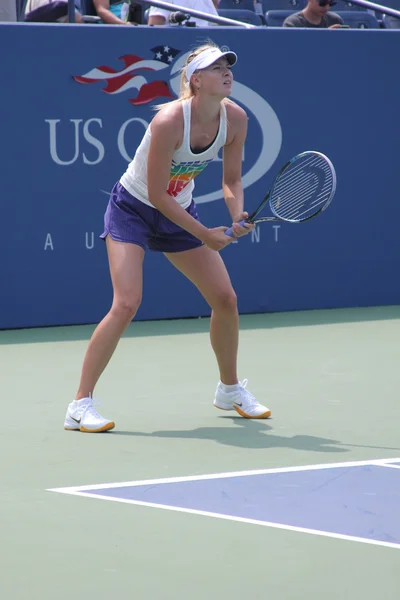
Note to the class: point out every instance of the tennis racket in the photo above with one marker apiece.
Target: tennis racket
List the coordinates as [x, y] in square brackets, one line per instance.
[303, 188]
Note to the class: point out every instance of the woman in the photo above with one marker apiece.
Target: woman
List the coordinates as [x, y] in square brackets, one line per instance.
[152, 207]
[112, 12]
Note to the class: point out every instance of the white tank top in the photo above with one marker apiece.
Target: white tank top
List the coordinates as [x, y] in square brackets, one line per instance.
[186, 165]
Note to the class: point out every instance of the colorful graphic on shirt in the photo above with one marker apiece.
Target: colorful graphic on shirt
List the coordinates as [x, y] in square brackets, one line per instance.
[183, 173]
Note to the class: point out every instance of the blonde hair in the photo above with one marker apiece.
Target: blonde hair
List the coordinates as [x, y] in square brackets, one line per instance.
[186, 90]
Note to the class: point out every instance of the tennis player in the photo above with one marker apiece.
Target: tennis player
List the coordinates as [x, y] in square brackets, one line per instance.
[151, 207]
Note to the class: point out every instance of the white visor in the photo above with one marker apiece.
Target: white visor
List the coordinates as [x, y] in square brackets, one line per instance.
[207, 58]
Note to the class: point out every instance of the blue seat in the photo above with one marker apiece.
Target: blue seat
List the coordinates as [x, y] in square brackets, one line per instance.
[294, 5]
[245, 16]
[346, 5]
[359, 19]
[236, 5]
[390, 22]
[275, 18]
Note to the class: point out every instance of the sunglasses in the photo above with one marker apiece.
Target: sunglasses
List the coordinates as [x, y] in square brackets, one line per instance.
[327, 2]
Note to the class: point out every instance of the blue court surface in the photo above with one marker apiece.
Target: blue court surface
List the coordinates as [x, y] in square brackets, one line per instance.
[356, 501]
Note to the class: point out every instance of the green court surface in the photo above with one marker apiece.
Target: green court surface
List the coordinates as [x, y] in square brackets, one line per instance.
[331, 380]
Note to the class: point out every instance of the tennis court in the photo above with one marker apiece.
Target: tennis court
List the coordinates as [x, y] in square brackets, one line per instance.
[183, 501]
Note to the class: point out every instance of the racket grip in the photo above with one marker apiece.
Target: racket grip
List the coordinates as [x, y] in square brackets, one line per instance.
[229, 231]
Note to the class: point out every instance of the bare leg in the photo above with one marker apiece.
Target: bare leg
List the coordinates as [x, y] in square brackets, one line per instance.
[206, 270]
[126, 274]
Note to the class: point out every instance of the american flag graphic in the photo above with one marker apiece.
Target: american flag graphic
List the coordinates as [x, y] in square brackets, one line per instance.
[130, 76]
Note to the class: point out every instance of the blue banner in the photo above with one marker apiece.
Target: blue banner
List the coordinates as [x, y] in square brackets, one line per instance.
[76, 101]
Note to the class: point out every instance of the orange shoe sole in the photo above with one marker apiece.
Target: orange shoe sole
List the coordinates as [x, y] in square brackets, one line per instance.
[104, 428]
[264, 415]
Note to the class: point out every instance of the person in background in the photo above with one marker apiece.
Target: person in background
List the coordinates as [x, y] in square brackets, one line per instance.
[315, 14]
[115, 12]
[159, 16]
[47, 11]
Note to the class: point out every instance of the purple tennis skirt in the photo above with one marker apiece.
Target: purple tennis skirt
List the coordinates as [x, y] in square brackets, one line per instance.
[127, 219]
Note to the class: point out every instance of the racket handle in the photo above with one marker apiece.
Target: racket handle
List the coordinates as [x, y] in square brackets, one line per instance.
[229, 231]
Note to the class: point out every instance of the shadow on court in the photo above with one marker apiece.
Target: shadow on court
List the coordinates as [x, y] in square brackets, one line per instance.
[252, 435]
[201, 325]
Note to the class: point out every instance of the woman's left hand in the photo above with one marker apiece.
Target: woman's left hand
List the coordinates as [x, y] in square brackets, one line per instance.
[240, 230]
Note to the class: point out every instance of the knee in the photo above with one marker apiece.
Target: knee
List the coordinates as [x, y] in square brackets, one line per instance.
[126, 308]
[225, 301]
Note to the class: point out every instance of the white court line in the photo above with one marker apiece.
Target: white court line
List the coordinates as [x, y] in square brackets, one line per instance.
[104, 486]
[83, 491]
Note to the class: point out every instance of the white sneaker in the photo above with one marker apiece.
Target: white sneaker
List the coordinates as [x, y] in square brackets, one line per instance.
[242, 401]
[81, 415]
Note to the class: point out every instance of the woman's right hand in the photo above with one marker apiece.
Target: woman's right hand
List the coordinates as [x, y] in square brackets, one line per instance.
[216, 239]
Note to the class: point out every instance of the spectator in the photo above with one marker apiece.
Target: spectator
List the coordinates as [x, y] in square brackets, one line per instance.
[315, 14]
[115, 12]
[159, 16]
[47, 11]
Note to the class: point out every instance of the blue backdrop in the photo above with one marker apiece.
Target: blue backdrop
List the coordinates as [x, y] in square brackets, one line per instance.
[74, 111]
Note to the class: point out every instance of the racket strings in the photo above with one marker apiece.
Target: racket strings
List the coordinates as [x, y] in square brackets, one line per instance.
[303, 189]
[297, 171]
[297, 200]
[300, 164]
[297, 197]
[291, 180]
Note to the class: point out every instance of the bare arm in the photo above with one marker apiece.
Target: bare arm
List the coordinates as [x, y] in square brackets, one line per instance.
[103, 10]
[232, 174]
[156, 20]
[232, 163]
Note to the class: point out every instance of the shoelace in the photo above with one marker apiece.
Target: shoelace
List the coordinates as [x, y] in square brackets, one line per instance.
[249, 396]
[90, 408]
